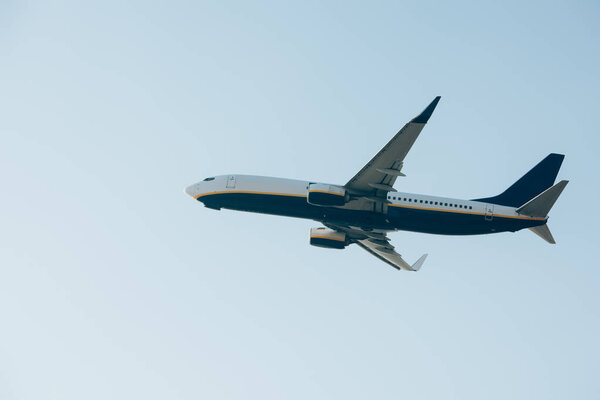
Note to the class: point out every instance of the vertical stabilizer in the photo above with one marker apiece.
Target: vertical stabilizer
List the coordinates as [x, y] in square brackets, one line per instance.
[534, 182]
[544, 232]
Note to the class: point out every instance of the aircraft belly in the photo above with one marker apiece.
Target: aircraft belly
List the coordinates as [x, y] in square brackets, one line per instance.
[409, 219]
[451, 223]
[295, 206]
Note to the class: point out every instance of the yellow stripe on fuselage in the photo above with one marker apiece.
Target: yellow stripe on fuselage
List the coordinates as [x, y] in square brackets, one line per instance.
[249, 192]
[467, 212]
[390, 205]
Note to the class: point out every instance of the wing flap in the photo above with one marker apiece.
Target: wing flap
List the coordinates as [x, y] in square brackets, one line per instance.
[378, 244]
[389, 255]
[385, 260]
[379, 175]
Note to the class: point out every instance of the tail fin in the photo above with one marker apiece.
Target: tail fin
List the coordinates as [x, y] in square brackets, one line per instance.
[541, 204]
[538, 179]
[544, 232]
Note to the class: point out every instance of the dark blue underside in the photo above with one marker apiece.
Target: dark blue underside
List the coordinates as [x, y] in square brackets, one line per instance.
[426, 221]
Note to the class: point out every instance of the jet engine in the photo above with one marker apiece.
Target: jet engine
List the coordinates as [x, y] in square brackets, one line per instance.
[328, 238]
[321, 194]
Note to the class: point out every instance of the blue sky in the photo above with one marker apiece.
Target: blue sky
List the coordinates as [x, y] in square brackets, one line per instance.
[114, 284]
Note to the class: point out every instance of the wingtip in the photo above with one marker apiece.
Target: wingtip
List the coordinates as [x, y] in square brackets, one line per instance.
[417, 266]
[426, 114]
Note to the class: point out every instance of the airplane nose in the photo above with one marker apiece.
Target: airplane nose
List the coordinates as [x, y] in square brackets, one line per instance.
[191, 190]
[200, 188]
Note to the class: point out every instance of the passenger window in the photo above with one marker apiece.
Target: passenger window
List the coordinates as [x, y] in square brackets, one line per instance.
[446, 204]
[420, 201]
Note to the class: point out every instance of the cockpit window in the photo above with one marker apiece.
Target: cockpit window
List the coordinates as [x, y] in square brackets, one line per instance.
[212, 178]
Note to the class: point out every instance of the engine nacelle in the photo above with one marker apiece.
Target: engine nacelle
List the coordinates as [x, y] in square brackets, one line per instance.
[321, 194]
[328, 238]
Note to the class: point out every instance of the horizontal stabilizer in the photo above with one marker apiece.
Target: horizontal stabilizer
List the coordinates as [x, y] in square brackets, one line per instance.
[540, 205]
[544, 232]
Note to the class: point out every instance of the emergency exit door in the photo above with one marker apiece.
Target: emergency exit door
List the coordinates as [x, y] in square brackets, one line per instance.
[231, 181]
[489, 212]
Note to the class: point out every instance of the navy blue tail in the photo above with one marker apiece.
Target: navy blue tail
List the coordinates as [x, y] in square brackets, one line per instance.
[538, 179]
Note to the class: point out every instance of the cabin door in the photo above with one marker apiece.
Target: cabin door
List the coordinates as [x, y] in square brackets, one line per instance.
[489, 212]
[231, 181]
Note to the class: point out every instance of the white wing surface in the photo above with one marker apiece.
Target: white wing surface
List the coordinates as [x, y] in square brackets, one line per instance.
[378, 176]
[386, 253]
[378, 244]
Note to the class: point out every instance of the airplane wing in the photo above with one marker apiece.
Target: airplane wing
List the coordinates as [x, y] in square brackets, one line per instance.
[377, 177]
[386, 253]
[378, 244]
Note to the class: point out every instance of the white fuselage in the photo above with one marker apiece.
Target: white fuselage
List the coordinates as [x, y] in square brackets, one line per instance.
[403, 211]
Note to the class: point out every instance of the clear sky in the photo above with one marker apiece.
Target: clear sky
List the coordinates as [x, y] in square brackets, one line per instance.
[116, 285]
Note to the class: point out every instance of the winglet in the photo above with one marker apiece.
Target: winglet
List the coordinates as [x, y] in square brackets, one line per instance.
[417, 266]
[426, 114]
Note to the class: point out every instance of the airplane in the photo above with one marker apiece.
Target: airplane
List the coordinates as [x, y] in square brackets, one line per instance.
[368, 207]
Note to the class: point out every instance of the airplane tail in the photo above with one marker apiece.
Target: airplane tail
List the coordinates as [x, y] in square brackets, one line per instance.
[544, 232]
[540, 206]
[534, 182]
[534, 194]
